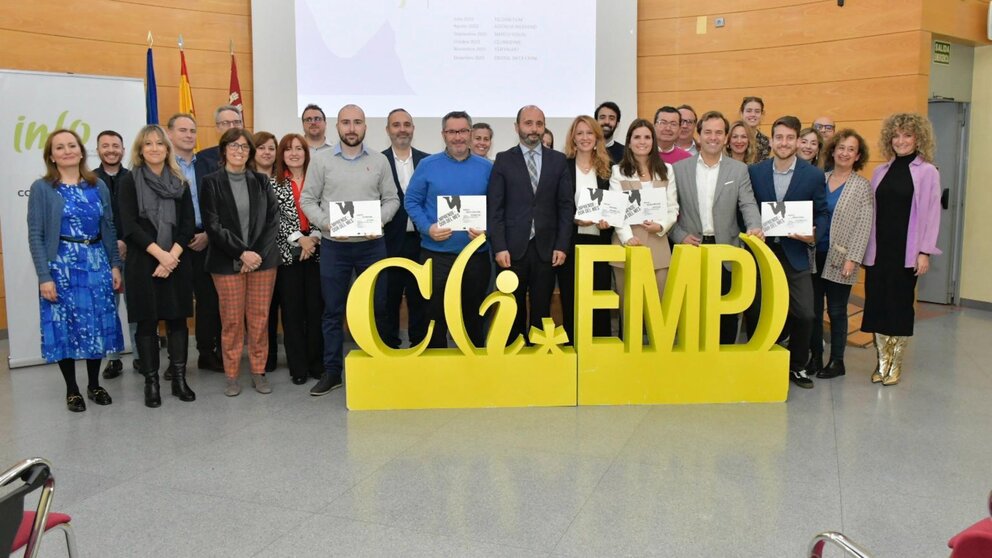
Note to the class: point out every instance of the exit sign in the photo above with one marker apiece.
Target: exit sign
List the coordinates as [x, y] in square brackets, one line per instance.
[941, 52]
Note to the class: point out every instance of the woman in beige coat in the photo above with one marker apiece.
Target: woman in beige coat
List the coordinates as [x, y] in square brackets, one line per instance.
[841, 247]
[641, 168]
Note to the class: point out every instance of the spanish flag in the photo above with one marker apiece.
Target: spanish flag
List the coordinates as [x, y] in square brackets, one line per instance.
[185, 92]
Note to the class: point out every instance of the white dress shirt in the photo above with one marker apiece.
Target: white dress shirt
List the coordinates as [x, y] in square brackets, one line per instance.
[706, 176]
[404, 170]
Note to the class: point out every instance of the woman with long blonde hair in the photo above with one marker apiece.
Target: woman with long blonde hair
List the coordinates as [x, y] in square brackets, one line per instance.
[157, 223]
[588, 162]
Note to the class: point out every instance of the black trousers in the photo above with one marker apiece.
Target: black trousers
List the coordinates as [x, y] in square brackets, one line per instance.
[728, 322]
[475, 283]
[298, 286]
[537, 279]
[274, 325]
[800, 323]
[400, 283]
[602, 280]
[207, 309]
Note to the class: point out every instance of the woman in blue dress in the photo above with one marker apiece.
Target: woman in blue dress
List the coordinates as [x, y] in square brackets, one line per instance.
[74, 249]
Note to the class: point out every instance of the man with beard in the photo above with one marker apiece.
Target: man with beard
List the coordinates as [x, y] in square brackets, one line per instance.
[402, 239]
[667, 124]
[348, 172]
[110, 149]
[530, 209]
[453, 172]
[608, 116]
[315, 128]
[786, 177]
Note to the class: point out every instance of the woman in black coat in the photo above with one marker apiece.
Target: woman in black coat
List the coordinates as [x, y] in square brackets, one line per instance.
[241, 217]
[589, 164]
[157, 222]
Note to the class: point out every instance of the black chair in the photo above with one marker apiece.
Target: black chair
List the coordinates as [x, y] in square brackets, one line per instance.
[24, 529]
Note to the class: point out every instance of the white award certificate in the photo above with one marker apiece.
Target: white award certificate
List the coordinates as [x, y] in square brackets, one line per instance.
[647, 204]
[587, 204]
[613, 207]
[461, 213]
[355, 218]
[785, 218]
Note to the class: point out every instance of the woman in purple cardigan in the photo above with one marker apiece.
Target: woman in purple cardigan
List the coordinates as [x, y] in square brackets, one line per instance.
[903, 237]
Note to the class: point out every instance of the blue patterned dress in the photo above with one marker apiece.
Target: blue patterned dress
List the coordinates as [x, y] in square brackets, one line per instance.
[82, 323]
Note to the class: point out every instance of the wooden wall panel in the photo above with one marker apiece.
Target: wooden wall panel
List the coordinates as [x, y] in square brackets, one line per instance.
[795, 24]
[661, 9]
[108, 37]
[964, 20]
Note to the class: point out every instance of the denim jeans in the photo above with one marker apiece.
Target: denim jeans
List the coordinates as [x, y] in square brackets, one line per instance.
[837, 295]
[338, 261]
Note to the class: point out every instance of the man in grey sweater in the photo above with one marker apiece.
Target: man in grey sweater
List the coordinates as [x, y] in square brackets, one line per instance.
[347, 173]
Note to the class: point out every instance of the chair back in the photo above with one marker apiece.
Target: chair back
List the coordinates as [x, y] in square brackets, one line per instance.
[15, 484]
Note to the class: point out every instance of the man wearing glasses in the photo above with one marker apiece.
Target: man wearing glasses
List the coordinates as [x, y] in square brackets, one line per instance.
[315, 128]
[826, 126]
[687, 133]
[348, 172]
[208, 159]
[667, 124]
[453, 172]
[530, 209]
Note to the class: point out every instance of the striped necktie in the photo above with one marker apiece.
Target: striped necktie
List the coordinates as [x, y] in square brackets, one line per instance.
[532, 169]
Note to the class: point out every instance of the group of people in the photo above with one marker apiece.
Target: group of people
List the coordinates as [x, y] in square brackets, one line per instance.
[244, 229]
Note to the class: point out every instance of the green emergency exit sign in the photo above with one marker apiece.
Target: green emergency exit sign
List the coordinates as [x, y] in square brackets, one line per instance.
[941, 52]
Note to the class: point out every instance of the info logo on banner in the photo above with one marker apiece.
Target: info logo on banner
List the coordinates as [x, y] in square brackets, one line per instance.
[34, 105]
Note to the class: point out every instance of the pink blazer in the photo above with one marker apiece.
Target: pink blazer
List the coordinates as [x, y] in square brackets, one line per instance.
[924, 214]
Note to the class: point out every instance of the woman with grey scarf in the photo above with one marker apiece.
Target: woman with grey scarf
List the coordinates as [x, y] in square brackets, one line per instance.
[157, 222]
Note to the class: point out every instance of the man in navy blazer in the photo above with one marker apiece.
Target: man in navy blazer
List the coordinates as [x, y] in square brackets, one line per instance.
[785, 177]
[402, 238]
[530, 210]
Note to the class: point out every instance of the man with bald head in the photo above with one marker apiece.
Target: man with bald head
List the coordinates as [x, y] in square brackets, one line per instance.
[530, 212]
[348, 172]
[826, 126]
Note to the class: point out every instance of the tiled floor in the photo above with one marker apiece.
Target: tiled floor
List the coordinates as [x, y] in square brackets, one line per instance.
[898, 469]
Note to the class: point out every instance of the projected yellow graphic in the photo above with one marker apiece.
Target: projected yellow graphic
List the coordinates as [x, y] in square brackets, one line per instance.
[670, 351]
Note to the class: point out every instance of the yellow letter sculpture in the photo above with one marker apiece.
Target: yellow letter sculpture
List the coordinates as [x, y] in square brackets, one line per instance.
[466, 376]
[682, 361]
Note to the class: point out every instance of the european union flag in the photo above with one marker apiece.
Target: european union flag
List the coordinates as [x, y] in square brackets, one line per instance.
[151, 91]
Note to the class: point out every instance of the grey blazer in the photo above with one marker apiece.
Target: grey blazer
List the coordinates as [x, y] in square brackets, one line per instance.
[850, 227]
[733, 194]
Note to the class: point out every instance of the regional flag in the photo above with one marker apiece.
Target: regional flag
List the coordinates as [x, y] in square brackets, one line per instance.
[186, 93]
[151, 90]
[235, 96]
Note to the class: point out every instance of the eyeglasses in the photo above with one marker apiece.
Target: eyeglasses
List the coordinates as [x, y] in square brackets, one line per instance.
[687, 122]
[462, 132]
[667, 124]
[823, 127]
[228, 123]
[313, 119]
[239, 147]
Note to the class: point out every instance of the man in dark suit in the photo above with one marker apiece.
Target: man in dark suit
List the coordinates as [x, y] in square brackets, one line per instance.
[608, 116]
[712, 189]
[402, 238]
[530, 212]
[785, 177]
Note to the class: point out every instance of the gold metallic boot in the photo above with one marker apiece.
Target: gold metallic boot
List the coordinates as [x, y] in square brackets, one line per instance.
[882, 344]
[897, 350]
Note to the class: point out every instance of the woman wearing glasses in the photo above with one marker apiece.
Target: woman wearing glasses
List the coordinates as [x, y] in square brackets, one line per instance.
[241, 216]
